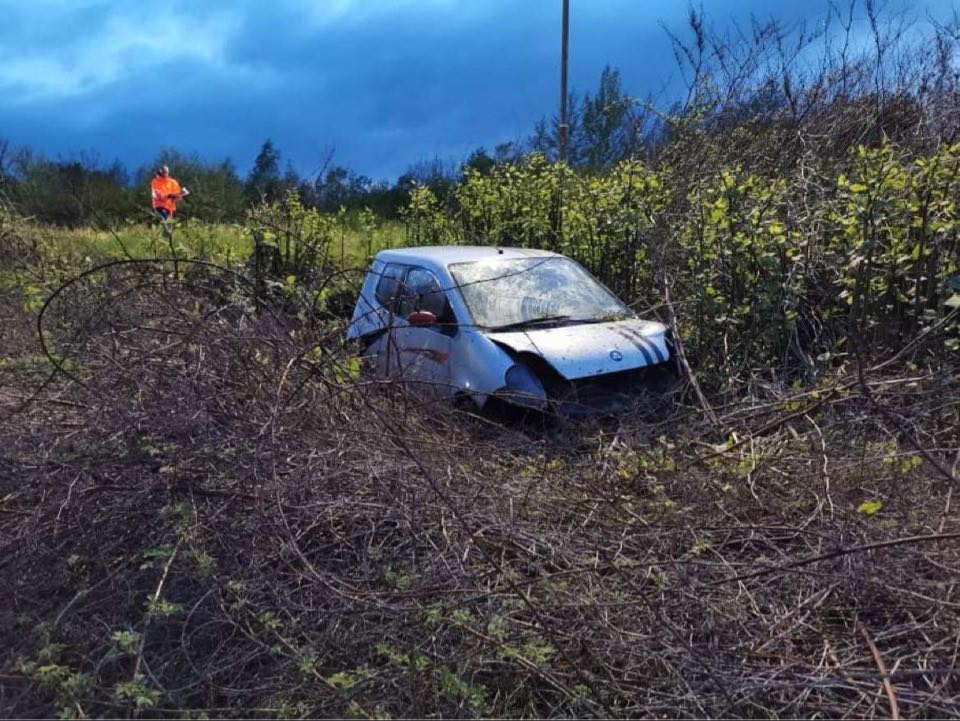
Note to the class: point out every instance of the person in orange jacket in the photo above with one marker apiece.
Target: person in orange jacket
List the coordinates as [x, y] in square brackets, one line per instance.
[166, 193]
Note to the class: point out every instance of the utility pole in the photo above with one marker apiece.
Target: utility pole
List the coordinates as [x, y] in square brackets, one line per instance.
[564, 129]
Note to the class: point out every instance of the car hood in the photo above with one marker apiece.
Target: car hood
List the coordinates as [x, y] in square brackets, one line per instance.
[580, 351]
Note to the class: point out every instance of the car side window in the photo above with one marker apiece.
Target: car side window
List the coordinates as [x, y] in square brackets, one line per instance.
[389, 285]
[422, 291]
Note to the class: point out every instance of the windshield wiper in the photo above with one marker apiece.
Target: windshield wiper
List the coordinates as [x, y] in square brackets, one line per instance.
[530, 322]
[602, 319]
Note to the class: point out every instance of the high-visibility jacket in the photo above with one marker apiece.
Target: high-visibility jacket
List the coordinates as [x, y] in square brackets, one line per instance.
[161, 189]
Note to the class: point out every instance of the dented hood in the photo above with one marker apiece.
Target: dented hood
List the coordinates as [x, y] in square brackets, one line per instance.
[590, 349]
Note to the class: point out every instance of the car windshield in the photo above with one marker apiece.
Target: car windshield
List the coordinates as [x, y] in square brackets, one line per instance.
[527, 291]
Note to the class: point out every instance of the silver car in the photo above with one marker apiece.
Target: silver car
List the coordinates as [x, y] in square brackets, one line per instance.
[529, 327]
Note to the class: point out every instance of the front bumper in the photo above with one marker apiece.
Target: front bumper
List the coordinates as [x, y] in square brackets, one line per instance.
[644, 390]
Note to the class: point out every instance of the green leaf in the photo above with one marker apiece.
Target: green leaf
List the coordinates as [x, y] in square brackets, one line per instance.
[869, 508]
[126, 641]
[953, 301]
[138, 692]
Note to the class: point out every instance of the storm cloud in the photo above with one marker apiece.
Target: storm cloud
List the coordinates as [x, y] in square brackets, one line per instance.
[383, 84]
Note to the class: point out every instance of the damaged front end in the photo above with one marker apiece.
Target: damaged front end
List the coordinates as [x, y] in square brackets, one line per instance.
[533, 383]
[647, 391]
[590, 369]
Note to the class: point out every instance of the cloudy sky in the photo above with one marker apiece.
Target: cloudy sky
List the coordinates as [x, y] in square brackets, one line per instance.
[383, 83]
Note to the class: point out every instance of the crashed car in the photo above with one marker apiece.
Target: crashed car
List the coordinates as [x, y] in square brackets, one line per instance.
[528, 327]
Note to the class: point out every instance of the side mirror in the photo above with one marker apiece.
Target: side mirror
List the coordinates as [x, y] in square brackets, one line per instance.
[422, 318]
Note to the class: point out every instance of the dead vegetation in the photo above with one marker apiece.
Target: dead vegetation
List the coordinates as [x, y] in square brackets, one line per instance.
[206, 510]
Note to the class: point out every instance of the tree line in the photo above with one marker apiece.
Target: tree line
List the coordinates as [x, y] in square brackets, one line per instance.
[82, 191]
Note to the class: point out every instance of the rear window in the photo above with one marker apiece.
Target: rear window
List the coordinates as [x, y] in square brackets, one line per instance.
[389, 285]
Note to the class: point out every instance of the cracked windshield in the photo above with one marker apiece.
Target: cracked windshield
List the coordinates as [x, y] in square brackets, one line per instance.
[513, 293]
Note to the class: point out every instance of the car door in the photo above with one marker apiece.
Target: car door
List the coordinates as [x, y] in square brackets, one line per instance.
[423, 352]
[382, 347]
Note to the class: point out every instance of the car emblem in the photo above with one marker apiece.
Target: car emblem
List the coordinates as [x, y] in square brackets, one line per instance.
[616, 355]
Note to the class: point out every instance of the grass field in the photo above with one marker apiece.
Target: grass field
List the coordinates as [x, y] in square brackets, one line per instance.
[197, 239]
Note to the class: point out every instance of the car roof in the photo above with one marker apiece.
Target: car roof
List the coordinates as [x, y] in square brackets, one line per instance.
[438, 256]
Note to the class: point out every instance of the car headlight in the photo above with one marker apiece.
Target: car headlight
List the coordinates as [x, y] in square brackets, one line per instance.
[524, 388]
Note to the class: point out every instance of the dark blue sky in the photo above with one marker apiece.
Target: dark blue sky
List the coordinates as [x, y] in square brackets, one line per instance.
[384, 83]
